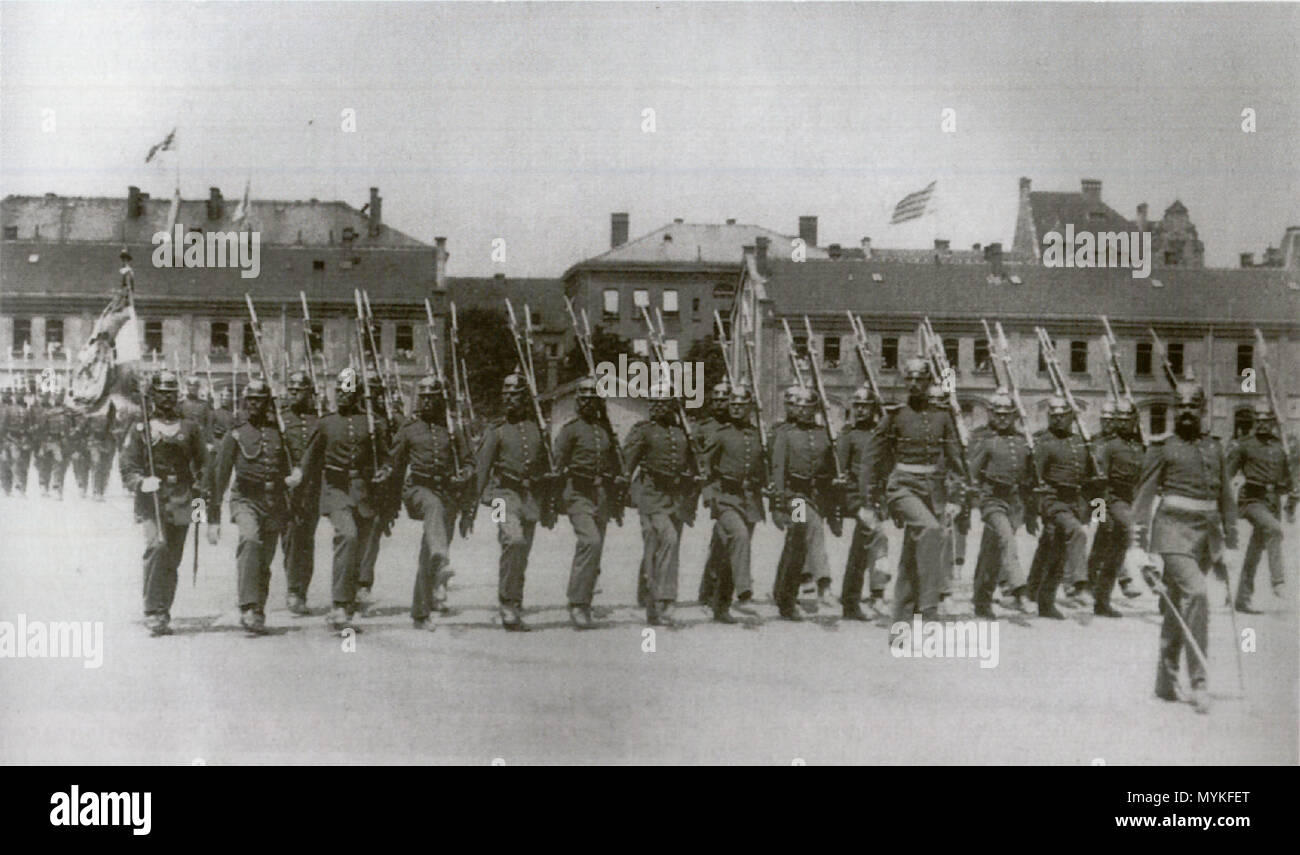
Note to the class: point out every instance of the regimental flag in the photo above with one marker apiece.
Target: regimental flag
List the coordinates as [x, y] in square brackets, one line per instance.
[913, 205]
[241, 211]
[168, 144]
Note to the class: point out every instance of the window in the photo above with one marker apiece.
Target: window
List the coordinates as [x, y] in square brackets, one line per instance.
[318, 264]
[54, 336]
[153, 337]
[670, 301]
[640, 347]
[801, 345]
[404, 343]
[889, 354]
[553, 350]
[317, 337]
[831, 352]
[1159, 412]
[641, 298]
[670, 348]
[610, 297]
[11, 233]
[250, 343]
[983, 362]
[1143, 366]
[219, 340]
[22, 336]
[1245, 357]
[1176, 357]
[1078, 357]
[695, 304]
[953, 353]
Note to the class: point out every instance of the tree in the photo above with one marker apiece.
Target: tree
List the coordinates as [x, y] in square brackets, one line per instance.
[488, 351]
[605, 347]
[708, 351]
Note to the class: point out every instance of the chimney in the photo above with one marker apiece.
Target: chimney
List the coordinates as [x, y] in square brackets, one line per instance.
[942, 244]
[1091, 189]
[1142, 217]
[500, 277]
[1248, 259]
[808, 229]
[760, 250]
[975, 247]
[215, 205]
[440, 264]
[617, 230]
[731, 221]
[866, 248]
[835, 250]
[376, 212]
[134, 204]
[993, 255]
[1025, 186]
[678, 220]
[1291, 248]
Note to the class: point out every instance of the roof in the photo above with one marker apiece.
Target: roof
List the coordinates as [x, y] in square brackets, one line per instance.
[1053, 211]
[690, 244]
[545, 297]
[104, 219]
[1261, 297]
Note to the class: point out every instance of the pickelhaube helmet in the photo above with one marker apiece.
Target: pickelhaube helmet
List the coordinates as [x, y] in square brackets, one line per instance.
[513, 384]
[1189, 394]
[741, 395]
[164, 381]
[936, 395]
[298, 382]
[1110, 409]
[1263, 411]
[916, 369]
[662, 391]
[1002, 403]
[862, 395]
[428, 387]
[587, 388]
[1124, 409]
[791, 394]
[347, 381]
[1058, 406]
[257, 389]
[806, 397]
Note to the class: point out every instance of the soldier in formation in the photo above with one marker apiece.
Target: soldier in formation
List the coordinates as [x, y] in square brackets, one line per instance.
[1270, 475]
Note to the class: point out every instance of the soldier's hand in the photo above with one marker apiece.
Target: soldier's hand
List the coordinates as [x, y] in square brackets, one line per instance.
[1031, 525]
[150, 484]
[214, 533]
[1230, 537]
[868, 519]
[951, 510]
[294, 478]
[780, 519]
[1221, 570]
[466, 523]
[382, 474]
[1291, 502]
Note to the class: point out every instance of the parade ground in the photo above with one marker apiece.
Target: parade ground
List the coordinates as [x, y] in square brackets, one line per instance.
[818, 692]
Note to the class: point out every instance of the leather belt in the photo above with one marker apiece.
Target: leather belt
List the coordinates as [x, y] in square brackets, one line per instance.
[917, 468]
[249, 487]
[1187, 503]
[340, 478]
[432, 482]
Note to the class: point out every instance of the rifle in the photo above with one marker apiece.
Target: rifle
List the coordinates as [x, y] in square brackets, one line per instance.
[1164, 359]
[751, 370]
[836, 511]
[1061, 388]
[543, 431]
[657, 344]
[1119, 383]
[794, 357]
[460, 374]
[583, 336]
[1266, 373]
[1003, 352]
[432, 337]
[270, 391]
[128, 282]
[943, 374]
[365, 386]
[860, 345]
[307, 351]
[368, 321]
[722, 343]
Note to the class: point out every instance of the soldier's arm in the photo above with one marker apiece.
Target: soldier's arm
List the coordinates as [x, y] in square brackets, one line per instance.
[219, 477]
[712, 451]
[980, 456]
[396, 458]
[1153, 465]
[198, 456]
[634, 448]
[564, 446]
[1227, 501]
[779, 451]
[487, 455]
[879, 454]
[611, 454]
[1235, 458]
[952, 448]
[131, 462]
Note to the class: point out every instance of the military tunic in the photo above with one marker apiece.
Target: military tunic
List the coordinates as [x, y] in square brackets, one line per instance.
[665, 494]
[733, 461]
[512, 466]
[585, 453]
[1001, 466]
[868, 548]
[54, 430]
[702, 431]
[1269, 473]
[802, 469]
[304, 513]
[101, 444]
[1120, 458]
[21, 430]
[1065, 469]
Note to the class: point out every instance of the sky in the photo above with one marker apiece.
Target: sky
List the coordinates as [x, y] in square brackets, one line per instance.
[527, 122]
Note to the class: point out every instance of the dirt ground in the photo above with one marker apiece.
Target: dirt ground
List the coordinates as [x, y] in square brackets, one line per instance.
[819, 692]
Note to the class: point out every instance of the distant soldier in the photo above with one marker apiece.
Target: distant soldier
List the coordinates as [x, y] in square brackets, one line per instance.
[259, 501]
[1001, 467]
[54, 427]
[424, 460]
[869, 545]
[586, 456]
[387, 498]
[101, 445]
[803, 471]
[512, 468]
[1065, 472]
[300, 423]
[179, 460]
[918, 446]
[1196, 519]
[342, 457]
[737, 472]
[1262, 458]
[223, 417]
[715, 417]
[1101, 547]
[1120, 457]
[197, 409]
[665, 491]
[791, 546]
[8, 418]
[22, 431]
[952, 512]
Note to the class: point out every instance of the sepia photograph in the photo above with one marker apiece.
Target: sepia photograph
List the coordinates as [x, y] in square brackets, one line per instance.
[632, 383]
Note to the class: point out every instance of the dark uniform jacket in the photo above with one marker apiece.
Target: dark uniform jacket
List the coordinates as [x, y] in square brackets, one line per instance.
[1188, 469]
[737, 472]
[1121, 465]
[179, 460]
[1065, 468]
[299, 428]
[802, 465]
[422, 458]
[1266, 467]
[924, 437]
[1002, 466]
[340, 455]
[585, 452]
[199, 411]
[512, 465]
[665, 477]
[256, 455]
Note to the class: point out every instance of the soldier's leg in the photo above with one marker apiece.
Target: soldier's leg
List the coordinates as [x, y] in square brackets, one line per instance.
[1118, 528]
[789, 566]
[815, 563]
[712, 565]
[1185, 580]
[248, 554]
[1267, 528]
[22, 470]
[647, 552]
[668, 532]
[162, 557]
[299, 552]
[81, 471]
[737, 538]
[6, 469]
[590, 541]
[1097, 553]
[369, 555]
[515, 536]
[1069, 544]
[855, 566]
[877, 552]
[44, 465]
[1249, 561]
[60, 473]
[434, 546]
[1043, 551]
[989, 565]
[908, 585]
[926, 536]
[344, 584]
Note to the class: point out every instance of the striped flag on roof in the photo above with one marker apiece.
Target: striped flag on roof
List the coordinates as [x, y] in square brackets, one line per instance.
[913, 205]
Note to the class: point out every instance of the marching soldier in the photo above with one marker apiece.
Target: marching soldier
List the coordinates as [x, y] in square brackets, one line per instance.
[869, 545]
[387, 495]
[715, 417]
[101, 445]
[733, 459]
[300, 423]
[1064, 470]
[917, 445]
[9, 416]
[586, 456]
[665, 492]
[53, 431]
[1101, 541]
[1263, 460]
[423, 459]
[512, 462]
[22, 427]
[342, 457]
[1196, 519]
[951, 486]
[197, 409]
[78, 453]
[1120, 457]
[179, 459]
[259, 501]
[779, 516]
[802, 471]
[1002, 469]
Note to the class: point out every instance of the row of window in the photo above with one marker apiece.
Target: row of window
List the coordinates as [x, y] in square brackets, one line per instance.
[641, 300]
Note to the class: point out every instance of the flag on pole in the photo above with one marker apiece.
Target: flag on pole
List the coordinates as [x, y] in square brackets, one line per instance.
[168, 144]
[241, 210]
[172, 213]
[913, 205]
[127, 342]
